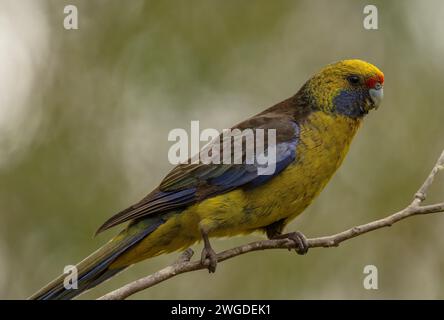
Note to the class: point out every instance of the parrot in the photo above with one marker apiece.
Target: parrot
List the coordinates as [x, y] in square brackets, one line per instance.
[199, 201]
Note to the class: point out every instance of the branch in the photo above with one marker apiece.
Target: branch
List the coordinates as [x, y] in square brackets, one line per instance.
[183, 264]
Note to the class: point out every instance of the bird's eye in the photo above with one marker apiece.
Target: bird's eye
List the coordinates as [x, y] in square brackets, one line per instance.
[353, 80]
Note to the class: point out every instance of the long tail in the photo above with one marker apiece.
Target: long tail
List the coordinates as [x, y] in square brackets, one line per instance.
[95, 268]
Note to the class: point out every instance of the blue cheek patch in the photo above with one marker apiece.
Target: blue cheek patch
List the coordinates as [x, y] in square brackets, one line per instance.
[350, 103]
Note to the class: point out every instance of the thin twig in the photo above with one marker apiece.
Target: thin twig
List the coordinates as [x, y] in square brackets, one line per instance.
[183, 264]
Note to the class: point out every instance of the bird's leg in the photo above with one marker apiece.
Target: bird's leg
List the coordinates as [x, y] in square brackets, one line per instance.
[208, 252]
[274, 231]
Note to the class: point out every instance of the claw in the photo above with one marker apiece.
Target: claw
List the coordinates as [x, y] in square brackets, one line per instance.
[208, 253]
[300, 241]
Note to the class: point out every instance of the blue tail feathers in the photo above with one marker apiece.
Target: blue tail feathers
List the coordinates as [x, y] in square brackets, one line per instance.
[95, 269]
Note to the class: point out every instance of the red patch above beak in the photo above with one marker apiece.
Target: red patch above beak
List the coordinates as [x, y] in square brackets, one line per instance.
[371, 82]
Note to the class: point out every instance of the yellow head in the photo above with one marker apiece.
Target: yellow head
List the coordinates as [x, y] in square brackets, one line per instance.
[348, 87]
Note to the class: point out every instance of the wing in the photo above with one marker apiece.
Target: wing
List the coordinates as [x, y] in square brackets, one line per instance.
[188, 183]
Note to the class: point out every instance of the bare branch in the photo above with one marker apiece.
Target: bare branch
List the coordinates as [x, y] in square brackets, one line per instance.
[183, 264]
[421, 194]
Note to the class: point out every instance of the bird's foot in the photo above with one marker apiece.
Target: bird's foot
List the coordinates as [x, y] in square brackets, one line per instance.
[208, 253]
[300, 241]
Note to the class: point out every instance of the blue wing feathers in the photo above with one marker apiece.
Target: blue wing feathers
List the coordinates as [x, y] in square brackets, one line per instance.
[187, 184]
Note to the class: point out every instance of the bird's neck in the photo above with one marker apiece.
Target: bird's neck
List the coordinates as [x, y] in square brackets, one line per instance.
[334, 132]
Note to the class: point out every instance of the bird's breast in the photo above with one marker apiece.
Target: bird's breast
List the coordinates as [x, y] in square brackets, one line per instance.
[323, 142]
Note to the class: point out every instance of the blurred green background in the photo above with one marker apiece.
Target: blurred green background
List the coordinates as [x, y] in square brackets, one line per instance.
[84, 118]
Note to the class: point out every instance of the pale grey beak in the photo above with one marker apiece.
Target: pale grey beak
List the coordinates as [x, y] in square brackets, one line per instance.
[376, 94]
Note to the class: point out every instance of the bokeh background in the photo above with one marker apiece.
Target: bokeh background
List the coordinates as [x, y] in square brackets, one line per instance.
[85, 114]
